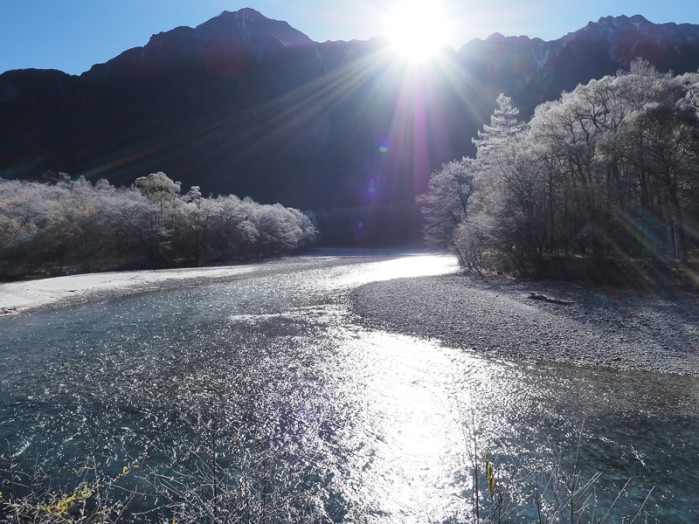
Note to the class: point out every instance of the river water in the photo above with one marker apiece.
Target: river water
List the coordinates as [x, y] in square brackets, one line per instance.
[302, 406]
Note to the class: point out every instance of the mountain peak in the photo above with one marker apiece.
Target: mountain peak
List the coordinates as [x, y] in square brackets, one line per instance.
[611, 28]
[252, 26]
[248, 13]
[623, 20]
[496, 37]
[222, 44]
[241, 17]
[639, 19]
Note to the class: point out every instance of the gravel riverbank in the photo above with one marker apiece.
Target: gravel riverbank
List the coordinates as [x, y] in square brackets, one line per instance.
[613, 328]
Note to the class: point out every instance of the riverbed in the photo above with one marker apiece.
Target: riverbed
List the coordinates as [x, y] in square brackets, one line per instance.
[273, 369]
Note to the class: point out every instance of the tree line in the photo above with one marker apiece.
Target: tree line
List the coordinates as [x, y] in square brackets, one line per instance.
[609, 173]
[77, 226]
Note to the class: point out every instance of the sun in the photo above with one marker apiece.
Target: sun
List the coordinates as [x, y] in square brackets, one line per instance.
[417, 29]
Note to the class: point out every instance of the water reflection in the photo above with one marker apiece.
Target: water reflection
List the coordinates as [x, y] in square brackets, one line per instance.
[375, 426]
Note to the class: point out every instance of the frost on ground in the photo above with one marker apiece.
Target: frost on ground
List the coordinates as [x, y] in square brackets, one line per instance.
[600, 327]
[17, 297]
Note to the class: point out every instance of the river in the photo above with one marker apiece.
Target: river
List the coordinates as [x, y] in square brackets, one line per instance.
[300, 405]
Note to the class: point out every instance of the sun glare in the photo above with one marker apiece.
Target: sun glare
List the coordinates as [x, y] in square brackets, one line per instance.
[417, 28]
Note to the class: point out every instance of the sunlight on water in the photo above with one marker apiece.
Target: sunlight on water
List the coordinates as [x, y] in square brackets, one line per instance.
[372, 426]
[407, 267]
[419, 437]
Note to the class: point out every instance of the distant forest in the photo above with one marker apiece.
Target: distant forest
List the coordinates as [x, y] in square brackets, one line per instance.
[605, 179]
[74, 226]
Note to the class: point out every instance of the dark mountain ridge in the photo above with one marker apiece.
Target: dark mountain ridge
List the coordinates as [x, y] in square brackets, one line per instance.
[533, 71]
[247, 105]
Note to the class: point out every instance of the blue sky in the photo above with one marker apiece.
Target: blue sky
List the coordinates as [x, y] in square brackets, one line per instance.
[72, 35]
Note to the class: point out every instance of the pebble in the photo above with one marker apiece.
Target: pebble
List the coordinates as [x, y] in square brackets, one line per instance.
[618, 328]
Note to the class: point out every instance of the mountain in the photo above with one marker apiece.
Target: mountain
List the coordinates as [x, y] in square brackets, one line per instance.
[533, 71]
[248, 105]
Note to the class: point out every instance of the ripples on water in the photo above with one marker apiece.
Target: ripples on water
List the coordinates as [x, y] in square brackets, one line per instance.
[362, 423]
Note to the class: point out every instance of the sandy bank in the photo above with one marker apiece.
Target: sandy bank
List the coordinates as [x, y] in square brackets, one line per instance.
[17, 297]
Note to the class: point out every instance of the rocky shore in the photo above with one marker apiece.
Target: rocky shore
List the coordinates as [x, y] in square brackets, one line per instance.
[564, 323]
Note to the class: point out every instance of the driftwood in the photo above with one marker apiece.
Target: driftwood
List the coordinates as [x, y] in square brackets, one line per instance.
[544, 298]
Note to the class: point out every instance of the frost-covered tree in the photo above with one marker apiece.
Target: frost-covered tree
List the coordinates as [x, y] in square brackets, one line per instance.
[462, 195]
[504, 124]
[77, 226]
[158, 186]
[278, 228]
[446, 203]
[233, 234]
[609, 171]
[309, 230]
